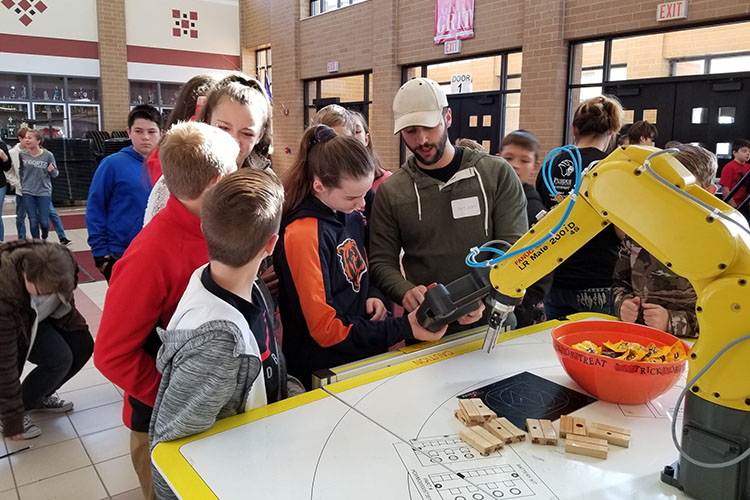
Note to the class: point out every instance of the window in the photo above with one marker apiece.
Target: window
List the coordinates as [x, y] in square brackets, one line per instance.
[699, 115]
[351, 92]
[12, 115]
[321, 6]
[727, 115]
[51, 120]
[587, 61]
[685, 68]
[711, 65]
[162, 96]
[723, 150]
[730, 64]
[485, 73]
[263, 69]
[597, 64]
[83, 118]
[710, 50]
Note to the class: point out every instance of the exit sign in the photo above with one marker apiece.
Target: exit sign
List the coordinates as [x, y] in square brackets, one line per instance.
[671, 10]
[452, 47]
[332, 66]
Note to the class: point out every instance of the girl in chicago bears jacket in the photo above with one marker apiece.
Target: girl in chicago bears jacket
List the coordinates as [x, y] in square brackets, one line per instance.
[330, 312]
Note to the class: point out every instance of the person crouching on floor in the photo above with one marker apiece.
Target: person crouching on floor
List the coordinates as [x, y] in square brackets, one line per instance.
[39, 323]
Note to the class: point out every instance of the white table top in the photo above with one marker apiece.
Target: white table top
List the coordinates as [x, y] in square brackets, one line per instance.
[352, 442]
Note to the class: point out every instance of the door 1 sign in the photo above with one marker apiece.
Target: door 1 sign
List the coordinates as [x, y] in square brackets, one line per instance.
[461, 84]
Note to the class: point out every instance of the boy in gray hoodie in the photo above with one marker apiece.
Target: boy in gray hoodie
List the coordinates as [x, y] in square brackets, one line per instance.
[219, 355]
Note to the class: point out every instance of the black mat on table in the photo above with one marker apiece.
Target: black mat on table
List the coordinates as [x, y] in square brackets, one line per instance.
[526, 395]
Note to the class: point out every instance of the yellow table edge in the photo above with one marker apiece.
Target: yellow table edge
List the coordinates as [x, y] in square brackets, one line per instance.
[188, 484]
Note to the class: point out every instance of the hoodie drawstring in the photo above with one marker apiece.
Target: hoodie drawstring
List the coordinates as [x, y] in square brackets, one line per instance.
[486, 205]
[419, 202]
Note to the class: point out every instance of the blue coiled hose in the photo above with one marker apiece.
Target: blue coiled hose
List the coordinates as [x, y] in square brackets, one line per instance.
[546, 173]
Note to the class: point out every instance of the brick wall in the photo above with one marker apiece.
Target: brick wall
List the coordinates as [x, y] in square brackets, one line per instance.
[113, 62]
[498, 25]
[589, 18]
[386, 76]
[283, 32]
[382, 36]
[545, 54]
[344, 35]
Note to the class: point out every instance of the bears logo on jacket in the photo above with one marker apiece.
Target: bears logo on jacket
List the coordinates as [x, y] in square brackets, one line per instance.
[352, 262]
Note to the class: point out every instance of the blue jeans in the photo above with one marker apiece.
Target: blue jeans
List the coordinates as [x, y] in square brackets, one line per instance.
[2, 200]
[20, 217]
[38, 209]
[562, 302]
[56, 222]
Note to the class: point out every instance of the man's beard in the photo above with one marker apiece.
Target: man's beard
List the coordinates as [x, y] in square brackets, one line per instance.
[439, 150]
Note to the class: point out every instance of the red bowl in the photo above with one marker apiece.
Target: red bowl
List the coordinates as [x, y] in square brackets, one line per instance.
[616, 380]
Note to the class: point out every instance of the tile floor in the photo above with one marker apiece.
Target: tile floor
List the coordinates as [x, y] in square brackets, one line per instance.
[83, 454]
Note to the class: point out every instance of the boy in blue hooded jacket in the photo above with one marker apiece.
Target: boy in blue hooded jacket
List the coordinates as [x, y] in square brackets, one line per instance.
[119, 191]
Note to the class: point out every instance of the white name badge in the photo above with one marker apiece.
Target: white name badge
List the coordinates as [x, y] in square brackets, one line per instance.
[466, 207]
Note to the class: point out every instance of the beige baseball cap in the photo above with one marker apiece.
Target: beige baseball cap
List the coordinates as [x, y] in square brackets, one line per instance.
[418, 103]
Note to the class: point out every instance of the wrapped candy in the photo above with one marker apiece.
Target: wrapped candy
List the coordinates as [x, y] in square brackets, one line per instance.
[633, 351]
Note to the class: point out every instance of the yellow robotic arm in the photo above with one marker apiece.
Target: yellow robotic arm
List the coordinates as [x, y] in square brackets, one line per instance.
[702, 239]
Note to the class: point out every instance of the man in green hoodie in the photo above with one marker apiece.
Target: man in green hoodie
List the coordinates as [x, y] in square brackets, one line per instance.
[443, 201]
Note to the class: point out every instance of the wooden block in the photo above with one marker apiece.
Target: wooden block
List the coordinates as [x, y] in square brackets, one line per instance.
[518, 434]
[496, 427]
[535, 429]
[481, 439]
[586, 445]
[550, 436]
[463, 417]
[614, 435]
[573, 425]
[476, 410]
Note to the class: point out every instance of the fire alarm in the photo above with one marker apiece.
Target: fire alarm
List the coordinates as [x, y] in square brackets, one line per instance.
[288, 150]
[286, 111]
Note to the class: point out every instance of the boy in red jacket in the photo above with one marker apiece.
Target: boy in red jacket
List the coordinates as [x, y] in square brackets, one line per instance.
[149, 280]
[733, 171]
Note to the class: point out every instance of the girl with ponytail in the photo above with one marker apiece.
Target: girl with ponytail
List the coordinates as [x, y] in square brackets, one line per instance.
[330, 312]
[583, 283]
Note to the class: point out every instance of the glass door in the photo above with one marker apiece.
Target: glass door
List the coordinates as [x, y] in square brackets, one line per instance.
[12, 115]
[83, 117]
[51, 120]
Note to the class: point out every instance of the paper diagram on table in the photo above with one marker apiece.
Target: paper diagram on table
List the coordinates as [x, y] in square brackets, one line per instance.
[446, 468]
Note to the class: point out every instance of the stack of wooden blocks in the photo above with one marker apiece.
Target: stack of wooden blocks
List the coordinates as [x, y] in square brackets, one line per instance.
[593, 441]
[487, 433]
[484, 431]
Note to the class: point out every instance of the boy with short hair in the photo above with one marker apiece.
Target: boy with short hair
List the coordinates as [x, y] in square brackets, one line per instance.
[219, 355]
[645, 290]
[119, 191]
[148, 282]
[521, 149]
[733, 172]
[642, 133]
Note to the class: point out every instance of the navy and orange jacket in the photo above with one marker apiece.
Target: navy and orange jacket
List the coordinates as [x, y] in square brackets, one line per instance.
[324, 285]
